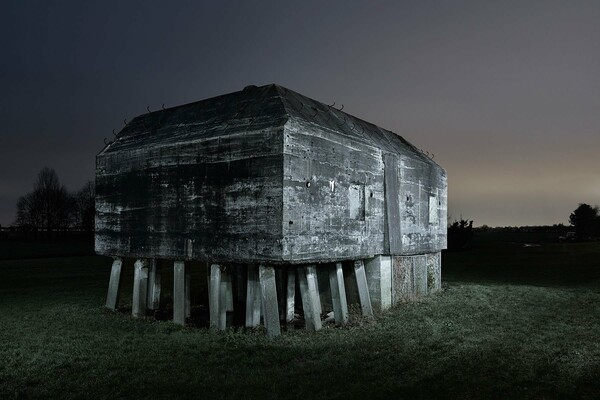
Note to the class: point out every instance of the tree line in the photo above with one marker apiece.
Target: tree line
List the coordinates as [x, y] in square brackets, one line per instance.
[584, 220]
[49, 206]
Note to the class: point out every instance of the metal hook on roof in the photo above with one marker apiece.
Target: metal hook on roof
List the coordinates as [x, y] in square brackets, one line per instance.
[125, 121]
[114, 134]
[342, 122]
[432, 156]
[148, 108]
[332, 105]
[163, 106]
[341, 108]
[106, 143]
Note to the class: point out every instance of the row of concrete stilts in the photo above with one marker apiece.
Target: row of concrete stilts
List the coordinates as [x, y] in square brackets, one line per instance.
[269, 296]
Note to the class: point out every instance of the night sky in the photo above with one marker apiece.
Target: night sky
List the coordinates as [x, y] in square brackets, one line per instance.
[505, 94]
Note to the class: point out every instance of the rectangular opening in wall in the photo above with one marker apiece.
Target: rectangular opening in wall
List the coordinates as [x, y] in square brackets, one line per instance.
[433, 210]
[356, 203]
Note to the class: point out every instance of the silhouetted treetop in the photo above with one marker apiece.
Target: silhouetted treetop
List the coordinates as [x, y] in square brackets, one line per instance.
[50, 206]
[586, 220]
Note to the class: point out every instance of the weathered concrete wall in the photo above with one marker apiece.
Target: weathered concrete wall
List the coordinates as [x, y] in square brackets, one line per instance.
[424, 196]
[414, 276]
[335, 193]
[332, 196]
[214, 200]
[422, 192]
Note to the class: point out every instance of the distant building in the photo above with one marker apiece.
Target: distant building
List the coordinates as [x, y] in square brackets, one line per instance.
[268, 177]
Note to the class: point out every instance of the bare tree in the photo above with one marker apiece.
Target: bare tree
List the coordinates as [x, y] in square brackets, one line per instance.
[49, 206]
[28, 212]
[85, 207]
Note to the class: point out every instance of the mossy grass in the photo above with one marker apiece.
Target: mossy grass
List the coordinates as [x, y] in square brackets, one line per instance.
[511, 322]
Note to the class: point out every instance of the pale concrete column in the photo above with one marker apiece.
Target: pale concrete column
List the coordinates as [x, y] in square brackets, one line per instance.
[338, 294]
[379, 279]
[214, 296]
[112, 297]
[315, 276]
[434, 272]
[154, 285]
[179, 292]
[310, 297]
[420, 274]
[313, 286]
[225, 297]
[188, 293]
[253, 298]
[363, 288]
[439, 268]
[140, 288]
[268, 289]
[291, 295]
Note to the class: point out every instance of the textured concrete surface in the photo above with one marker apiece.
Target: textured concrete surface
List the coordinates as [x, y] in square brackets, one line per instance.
[265, 175]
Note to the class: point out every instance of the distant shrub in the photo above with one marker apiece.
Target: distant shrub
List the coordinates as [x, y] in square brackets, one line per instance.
[460, 234]
[586, 221]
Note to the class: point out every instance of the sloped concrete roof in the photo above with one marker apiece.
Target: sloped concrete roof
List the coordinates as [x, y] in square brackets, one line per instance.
[251, 109]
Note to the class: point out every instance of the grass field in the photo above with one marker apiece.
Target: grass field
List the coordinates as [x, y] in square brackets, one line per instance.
[511, 322]
[20, 249]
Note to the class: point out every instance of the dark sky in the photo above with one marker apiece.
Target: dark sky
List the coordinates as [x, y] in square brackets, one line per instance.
[506, 94]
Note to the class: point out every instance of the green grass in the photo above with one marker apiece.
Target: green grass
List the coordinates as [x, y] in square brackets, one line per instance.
[21, 249]
[512, 322]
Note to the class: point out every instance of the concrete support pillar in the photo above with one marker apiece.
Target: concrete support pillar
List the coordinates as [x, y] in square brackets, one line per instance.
[379, 278]
[290, 295]
[363, 288]
[338, 294]
[434, 272]
[315, 276]
[112, 297]
[188, 297]
[214, 298]
[154, 285]
[268, 291]
[140, 288]
[310, 297]
[180, 294]
[224, 302]
[439, 268]
[420, 275]
[253, 298]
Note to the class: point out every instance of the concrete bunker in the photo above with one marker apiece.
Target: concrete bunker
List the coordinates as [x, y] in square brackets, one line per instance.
[275, 190]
